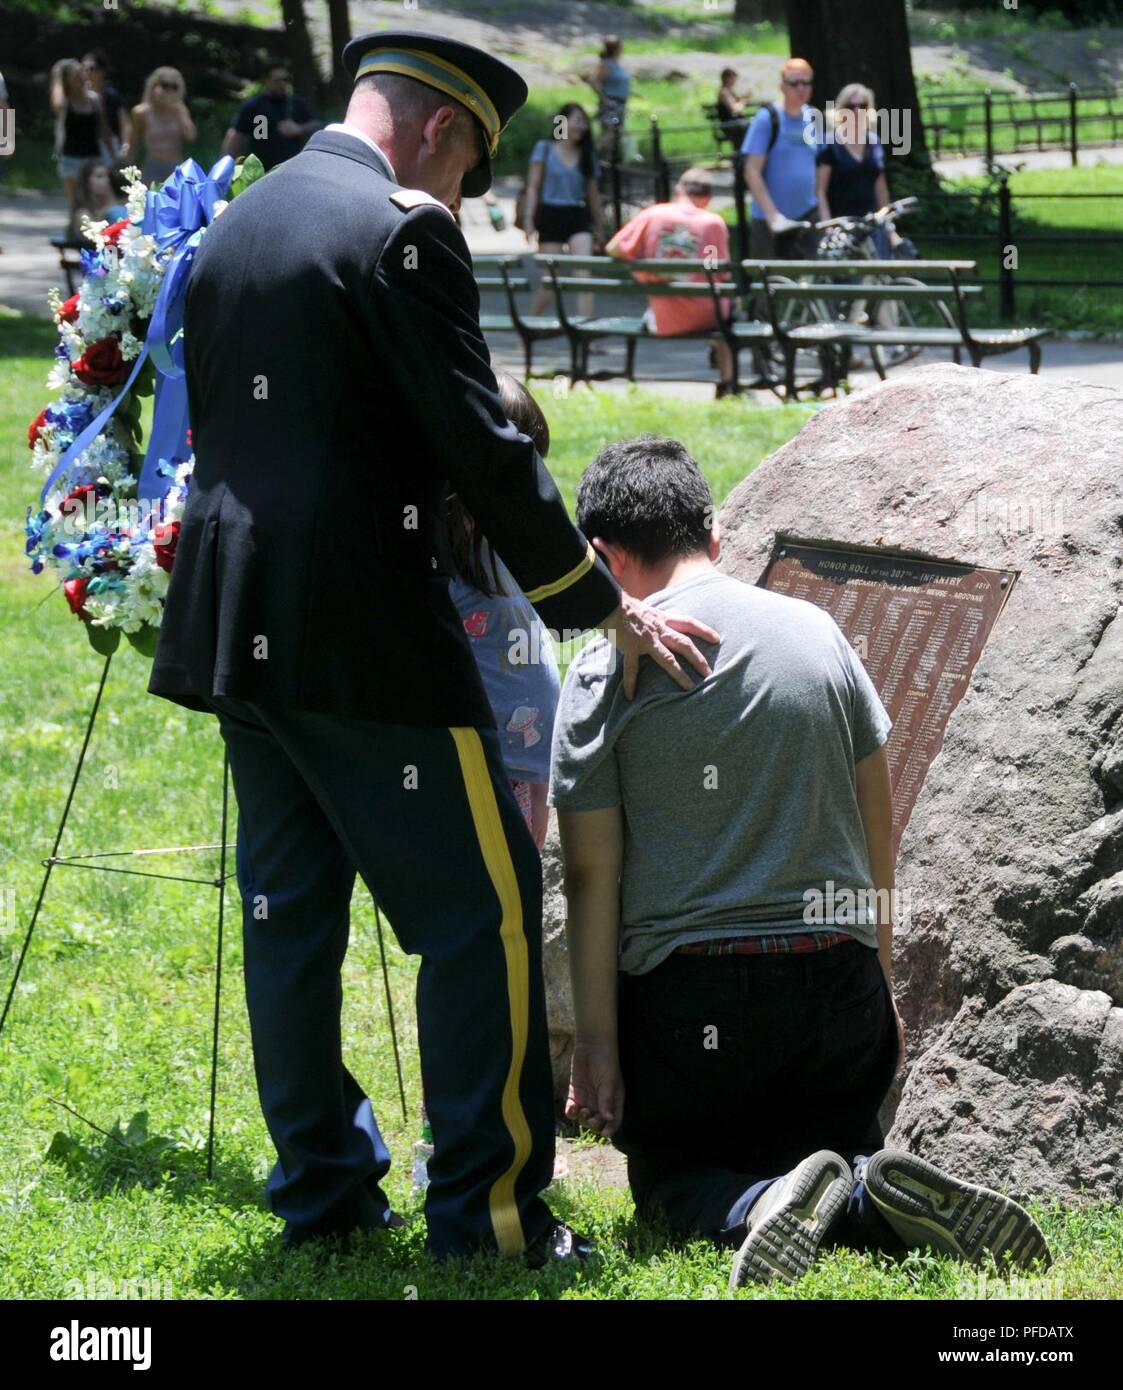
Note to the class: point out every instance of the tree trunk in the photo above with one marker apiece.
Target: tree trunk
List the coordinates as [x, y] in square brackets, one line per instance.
[339, 16]
[868, 44]
[760, 11]
[305, 73]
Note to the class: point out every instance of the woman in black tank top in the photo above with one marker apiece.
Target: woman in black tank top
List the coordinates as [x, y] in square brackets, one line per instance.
[81, 128]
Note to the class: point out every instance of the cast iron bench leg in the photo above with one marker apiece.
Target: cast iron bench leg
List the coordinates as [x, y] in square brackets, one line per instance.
[790, 392]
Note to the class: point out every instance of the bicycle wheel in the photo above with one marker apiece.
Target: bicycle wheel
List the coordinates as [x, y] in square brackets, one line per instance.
[906, 314]
[795, 313]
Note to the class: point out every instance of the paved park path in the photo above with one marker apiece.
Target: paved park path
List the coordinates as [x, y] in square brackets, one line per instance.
[29, 267]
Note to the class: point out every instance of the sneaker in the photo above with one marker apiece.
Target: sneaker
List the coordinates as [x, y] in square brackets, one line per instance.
[926, 1206]
[787, 1223]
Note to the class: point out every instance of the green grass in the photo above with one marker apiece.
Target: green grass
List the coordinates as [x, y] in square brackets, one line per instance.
[1073, 258]
[113, 1013]
[1013, 25]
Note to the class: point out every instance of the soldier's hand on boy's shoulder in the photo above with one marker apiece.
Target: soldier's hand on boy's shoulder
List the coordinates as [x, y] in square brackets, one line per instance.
[637, 630]
[596, 1088]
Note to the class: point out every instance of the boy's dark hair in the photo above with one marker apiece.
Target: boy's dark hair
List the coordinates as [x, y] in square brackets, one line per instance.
[648, 495]
[464, 536]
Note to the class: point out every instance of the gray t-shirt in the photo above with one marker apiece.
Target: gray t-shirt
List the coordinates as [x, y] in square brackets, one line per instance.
[739, 795]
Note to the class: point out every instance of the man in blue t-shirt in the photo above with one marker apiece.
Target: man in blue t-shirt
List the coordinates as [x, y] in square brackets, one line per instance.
[780, 148]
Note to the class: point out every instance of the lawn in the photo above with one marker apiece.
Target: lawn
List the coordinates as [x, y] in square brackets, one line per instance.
[112, 1018]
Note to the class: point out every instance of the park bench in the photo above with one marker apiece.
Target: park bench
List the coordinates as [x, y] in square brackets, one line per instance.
[69, 258]
[820, 288]
[726, 130]
[618, 277]
[501, 273]
[835, 338]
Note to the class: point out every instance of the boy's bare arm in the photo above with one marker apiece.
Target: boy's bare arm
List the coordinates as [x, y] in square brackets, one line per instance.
[593, 851]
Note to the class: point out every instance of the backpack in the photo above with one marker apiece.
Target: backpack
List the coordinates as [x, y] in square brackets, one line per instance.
[774, 119]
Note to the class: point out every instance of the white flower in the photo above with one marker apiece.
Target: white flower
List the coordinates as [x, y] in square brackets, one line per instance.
[137, 196]
[58, 376]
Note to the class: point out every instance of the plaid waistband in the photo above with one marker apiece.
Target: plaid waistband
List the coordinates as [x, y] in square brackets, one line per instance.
[795, 943]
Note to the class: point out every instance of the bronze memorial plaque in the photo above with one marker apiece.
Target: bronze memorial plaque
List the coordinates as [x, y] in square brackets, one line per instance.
[918, 625]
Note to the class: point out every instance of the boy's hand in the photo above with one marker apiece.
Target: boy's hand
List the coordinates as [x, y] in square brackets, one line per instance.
[596, 1088]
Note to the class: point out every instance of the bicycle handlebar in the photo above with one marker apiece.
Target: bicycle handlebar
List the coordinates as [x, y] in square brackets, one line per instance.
[888, 213]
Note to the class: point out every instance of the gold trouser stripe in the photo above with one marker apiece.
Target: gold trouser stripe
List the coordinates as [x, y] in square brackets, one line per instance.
[496, 853]
[582, 567]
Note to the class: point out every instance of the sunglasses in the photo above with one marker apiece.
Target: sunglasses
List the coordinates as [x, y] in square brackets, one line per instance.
[797, 82]
[170, 86]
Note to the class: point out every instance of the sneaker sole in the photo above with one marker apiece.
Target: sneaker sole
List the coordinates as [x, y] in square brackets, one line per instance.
[784, 1246]
[926, 1206]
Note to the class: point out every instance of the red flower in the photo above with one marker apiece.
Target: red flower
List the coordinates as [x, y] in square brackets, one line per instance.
[34, 428]
[102, 364]
[74, 504]
[112, 233]
[164, 540]
[75, 591]
[68, 310]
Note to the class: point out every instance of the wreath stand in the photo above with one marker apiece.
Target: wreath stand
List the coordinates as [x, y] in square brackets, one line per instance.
[218, 882]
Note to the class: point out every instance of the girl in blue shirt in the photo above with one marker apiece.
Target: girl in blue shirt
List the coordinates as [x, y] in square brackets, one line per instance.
[563, 202]
[512, 646]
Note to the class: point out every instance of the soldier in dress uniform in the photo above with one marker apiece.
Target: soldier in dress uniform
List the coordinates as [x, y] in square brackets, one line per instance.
[339, 385]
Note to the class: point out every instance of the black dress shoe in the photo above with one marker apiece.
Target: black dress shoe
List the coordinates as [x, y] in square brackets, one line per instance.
[562, 1243]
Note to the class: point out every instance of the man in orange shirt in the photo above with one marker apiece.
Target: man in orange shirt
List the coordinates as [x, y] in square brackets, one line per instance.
[686, 229]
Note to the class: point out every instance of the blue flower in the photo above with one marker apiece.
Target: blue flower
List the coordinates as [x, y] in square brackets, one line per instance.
[93, 263]
[33, 528]
[71, 417]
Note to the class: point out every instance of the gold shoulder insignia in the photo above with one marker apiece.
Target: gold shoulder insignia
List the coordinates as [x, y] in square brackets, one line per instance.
[410, 198]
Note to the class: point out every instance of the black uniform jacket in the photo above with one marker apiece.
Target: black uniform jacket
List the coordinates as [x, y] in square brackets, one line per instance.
[338, 381]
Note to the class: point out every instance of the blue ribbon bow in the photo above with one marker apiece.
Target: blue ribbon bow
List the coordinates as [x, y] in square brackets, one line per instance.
[176, 216]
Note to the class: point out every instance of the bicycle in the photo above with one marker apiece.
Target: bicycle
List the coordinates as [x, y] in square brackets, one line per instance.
[851, 238]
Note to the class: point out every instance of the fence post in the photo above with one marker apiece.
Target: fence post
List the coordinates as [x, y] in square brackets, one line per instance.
[1005, 240]
[617, 200]
[656, 158]
[1072, 139]
[989, 131]
[743, 251]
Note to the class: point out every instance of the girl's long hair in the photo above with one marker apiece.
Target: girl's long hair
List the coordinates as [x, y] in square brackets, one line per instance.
[465, 537]
[585, 144]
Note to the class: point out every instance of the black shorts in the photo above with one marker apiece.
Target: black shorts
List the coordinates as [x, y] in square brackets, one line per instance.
[557, 222]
